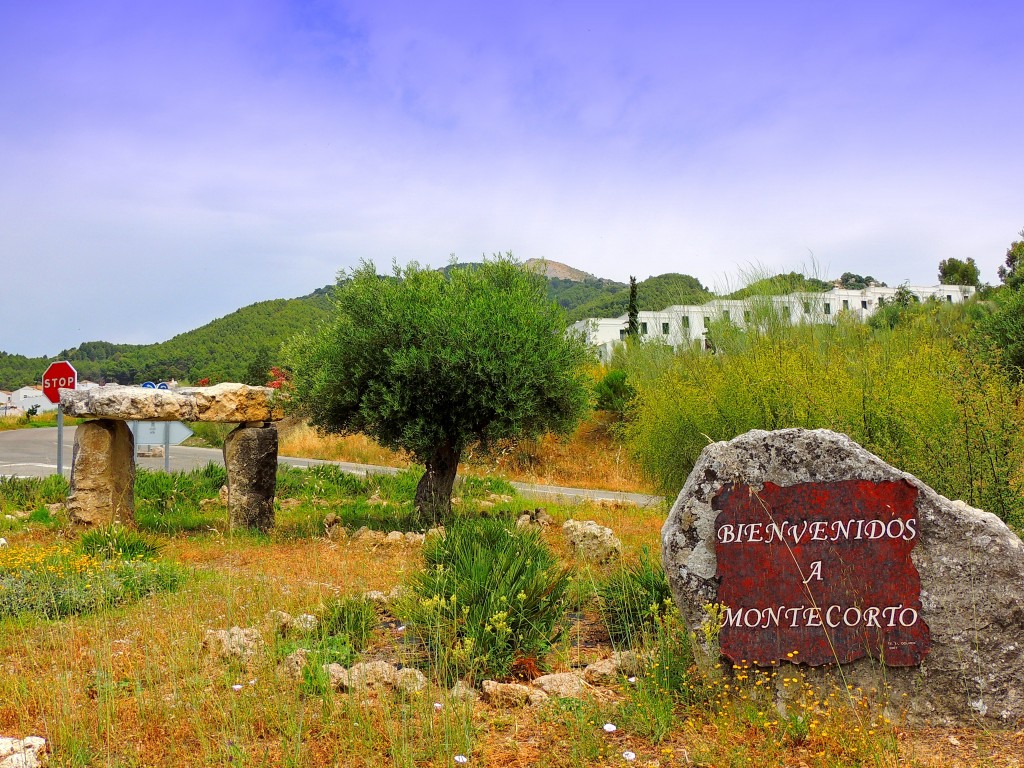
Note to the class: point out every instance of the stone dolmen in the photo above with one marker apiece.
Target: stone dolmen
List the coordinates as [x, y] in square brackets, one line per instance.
[103, 467]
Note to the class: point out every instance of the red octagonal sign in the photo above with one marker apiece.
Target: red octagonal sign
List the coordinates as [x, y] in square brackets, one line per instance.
[60, 375]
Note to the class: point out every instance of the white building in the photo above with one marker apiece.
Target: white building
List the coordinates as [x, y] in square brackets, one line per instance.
[685, 325]
[27, 397]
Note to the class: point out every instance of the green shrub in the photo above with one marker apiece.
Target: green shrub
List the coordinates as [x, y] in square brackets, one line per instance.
[490, 595]
[30, 493]
[633, 599]
[919, 395]
[54, 582]
[353, 618]
[670, 679]
[319, 481]
[211, 433]
[116, 542]
[613, 392]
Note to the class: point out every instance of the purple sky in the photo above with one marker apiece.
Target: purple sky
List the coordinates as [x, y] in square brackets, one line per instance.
[163, 164]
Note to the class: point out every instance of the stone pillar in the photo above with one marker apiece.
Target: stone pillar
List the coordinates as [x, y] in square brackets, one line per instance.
[103, 474]
[250, 456]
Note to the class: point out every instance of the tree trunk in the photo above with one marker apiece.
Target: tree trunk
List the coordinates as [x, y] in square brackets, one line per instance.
[434, 491]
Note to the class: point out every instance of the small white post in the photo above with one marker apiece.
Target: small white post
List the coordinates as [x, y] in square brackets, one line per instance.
[60, 440]
[167, 446]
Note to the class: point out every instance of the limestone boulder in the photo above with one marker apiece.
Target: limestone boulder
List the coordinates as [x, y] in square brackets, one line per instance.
[592, 542]
[230, 403]
[505, 695]
[102, 474]
[234, 643]
[562, 685]
[21, 753]
[970, 565]
[250, 457]
[463, 692]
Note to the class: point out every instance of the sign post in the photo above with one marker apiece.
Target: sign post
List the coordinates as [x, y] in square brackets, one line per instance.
[58, 376]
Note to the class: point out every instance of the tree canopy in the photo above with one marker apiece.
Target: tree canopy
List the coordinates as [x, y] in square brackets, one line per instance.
[952, 271]
[1012, 270]
[430, 363]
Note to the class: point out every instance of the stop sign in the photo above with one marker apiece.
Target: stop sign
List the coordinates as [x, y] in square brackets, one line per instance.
[60, 375]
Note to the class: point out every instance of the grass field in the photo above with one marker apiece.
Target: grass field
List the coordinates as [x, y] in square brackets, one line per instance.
[127, 682]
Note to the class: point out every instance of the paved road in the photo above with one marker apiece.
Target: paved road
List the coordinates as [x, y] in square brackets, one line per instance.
[33, 453]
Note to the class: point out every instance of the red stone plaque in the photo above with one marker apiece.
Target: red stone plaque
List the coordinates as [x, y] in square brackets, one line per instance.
[819, 573]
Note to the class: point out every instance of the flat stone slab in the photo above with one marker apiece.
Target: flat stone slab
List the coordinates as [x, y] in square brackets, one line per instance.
[230, 403]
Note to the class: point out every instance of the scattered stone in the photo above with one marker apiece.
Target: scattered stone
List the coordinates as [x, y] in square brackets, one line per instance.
[536, 697]
[370, 674]
[376, 501]
[414, 538]
[222, 495]
[619, 664]
[462, 692]
[563, 685]
[151, 452]
[536, 518]
[279, 621]
[395, 537]
[396, 592]
[290, 503]
[331, 521]
[505, 695]
[250, 456]
[375, 596]
[54, 509]
[304, 623]
[592, 542]
[231, 403]
[234, 643]
[498, 498]
[485, 504]
[970, 565]
[337, 675]
[208, 504]
[369, 535]
[601, 671]
[293, 664]
[21, 753]
[410, 680]
[437, 531]
[3, 542]
[102, 474]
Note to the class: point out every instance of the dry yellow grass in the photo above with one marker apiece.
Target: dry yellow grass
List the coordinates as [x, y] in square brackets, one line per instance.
[133, 686]
[590, 458]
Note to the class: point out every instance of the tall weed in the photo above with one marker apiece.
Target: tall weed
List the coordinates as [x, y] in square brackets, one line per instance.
[490, 595]
[919, 395]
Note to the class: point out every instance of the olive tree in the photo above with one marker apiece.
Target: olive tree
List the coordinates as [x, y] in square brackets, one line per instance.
[431, 361]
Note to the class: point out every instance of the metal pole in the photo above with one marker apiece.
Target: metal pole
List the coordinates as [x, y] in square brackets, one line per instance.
[60, 440]
[167, 446]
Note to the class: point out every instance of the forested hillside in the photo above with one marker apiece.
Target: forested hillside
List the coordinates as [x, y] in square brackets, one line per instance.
[654, 293]
[243, 345]
[223, 350]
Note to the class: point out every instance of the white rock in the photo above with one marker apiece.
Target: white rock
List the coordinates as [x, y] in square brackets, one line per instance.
[410, 680]
[21, 753]
[234, 643]
[564, 685]
[591, 541]
[305, 622]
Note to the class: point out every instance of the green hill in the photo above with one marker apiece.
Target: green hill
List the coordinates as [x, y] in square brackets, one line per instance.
[243, 345]
[223, 350]
[654, 293]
